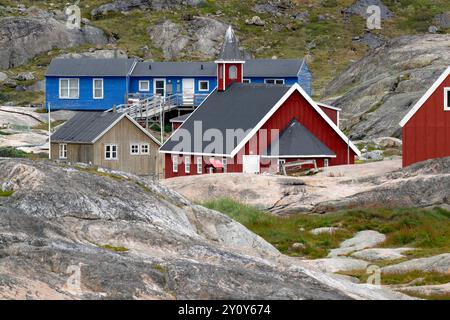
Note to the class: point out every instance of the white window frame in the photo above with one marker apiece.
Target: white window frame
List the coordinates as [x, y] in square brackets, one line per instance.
[145, 148]
[266, 81]
[446, 93]
[200, 85]
[279, 162]
[187, 164]
[175, 164]
[63, 151]
[234, 68]
[326, 163]
[111, 152]
[69, 80]
[224, 164]
[154, 85]
[142, 82]
[247, 80]
[131, 149]
[93, 88]
[199, 165]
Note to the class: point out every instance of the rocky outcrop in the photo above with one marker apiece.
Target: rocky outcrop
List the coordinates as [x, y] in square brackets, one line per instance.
[70, 234]
[377, 91]
[23, 37]
[127, 5]
[381, 254]
[199, 36]
[274, 7]
[361, 240]
[95, 54]
[439, 263]
[360, 8]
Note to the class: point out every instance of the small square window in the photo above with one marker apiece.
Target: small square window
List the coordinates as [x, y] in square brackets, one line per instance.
[144, 85]
[203, 85]
[134, 149]
[110, 152]
[145, 149]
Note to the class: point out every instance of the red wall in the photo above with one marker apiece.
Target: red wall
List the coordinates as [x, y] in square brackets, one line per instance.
[176, 125]
[427, 133]
[331, 113]
[228, 81]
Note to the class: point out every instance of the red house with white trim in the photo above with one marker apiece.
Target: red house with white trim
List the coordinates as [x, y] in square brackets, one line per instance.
[426, 127]
[252, 128]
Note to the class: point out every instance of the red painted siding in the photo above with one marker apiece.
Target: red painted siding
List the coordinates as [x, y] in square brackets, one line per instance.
[427, 133]
[176, 125]
[332, 114]
[228, 81]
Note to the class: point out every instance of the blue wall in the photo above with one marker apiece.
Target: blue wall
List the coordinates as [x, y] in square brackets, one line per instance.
[172, 82]
[114, 90]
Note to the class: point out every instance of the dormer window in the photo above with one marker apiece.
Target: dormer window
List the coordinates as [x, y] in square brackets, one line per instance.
[233, 72]
[447, 99]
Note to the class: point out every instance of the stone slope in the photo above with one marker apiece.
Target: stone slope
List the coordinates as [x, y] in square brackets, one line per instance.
[70, 234]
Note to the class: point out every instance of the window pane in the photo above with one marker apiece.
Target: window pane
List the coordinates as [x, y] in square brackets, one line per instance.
[448, 98]
[64, 88]
[233, 72]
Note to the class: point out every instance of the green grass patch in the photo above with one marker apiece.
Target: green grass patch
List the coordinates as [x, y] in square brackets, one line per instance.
[428, 230]
[44, 125]
[3, 133]
[94, 170]
[113, 248]
[6, 193]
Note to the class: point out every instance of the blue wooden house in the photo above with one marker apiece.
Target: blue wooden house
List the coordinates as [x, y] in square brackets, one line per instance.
[100, 84]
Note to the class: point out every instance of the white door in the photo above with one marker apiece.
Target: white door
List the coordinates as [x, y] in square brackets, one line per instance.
[159, 87]
[188, 92]
[250, 164]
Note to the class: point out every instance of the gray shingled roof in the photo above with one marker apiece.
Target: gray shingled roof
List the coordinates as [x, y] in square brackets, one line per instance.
[85, 127]
[272, 68]
[89, 67]
[230, 48]
[241, 106]
[165, 69]
[296, 140]
[180, 118]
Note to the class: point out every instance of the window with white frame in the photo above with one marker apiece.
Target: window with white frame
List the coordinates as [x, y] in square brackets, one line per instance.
[203, 85]
[63, 151]
[69, 88]
[281, 163]
[134, 149]
[174, 163]
[447, 99]
[274, 81]
[232, 72]
[144, 85]
[98, 88]
[224, 164]
[199, 165]
[187, 164]
[111, 152]
[145, 148]
[247, 81]
[326, 163]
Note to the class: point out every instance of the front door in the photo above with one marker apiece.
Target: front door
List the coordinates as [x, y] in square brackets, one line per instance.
[251, 164]
[159, 87]
[188, 92]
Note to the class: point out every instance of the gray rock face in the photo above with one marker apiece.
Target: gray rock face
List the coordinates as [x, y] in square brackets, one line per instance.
[275, 7]
[360, 8]
[128, 237]
[361, 240]
[442, 20]
[379, 254]
[3, 76]
[202, 36]
[255, 20]
[372, 40]
[338, 264]
[96, 54]
[127, 5]
[24, 76]
[329, 230]
[439, 263]
[22, 38]
[377, 91]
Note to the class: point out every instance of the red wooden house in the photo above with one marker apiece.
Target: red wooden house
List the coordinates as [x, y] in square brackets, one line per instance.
[426, 127]
[252, 128]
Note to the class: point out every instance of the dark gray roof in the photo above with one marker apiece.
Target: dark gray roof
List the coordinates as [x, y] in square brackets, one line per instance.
[89, 67]
[296, 140]
[85, 127]
[230, 48]
[180, 118]
[272, 67]
[150, 69]
[241, 106]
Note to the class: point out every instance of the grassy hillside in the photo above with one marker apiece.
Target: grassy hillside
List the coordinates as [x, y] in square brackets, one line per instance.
[329, 40]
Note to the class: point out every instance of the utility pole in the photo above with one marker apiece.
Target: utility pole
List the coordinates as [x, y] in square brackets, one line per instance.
[49, 132]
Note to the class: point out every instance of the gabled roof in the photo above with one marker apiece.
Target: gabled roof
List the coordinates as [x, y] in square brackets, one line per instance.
[90, 67]
[230, 48]
[241, 106]
[320, 104]
[88, 127]
[425, 97]
[297, 141]
[168, 69]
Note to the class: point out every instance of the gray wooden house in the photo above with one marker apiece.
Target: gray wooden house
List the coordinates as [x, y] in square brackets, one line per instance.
[108, 140]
